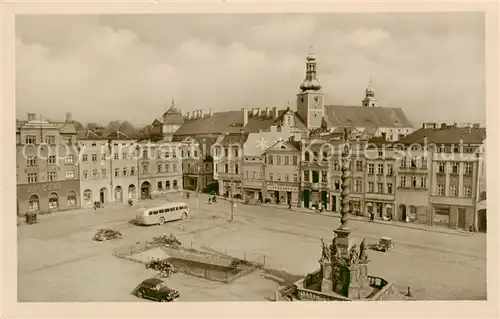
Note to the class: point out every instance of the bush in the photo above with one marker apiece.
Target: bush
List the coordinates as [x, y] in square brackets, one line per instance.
[211, 188]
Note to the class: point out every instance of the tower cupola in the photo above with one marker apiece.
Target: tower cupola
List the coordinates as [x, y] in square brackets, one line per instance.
[310, 83]
[369, 100]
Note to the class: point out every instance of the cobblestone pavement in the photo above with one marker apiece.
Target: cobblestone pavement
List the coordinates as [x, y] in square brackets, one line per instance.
[58, 261]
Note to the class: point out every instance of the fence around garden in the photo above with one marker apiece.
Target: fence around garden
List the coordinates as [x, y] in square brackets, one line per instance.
[203, 262]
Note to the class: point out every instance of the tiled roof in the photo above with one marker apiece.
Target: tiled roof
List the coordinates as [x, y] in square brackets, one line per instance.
[226, 122]
[219, 122]
[357, 116]
[173, 116]
[450, 135]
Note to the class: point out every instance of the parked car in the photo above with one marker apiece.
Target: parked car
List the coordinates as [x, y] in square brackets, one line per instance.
[107, 234]
[155, 289]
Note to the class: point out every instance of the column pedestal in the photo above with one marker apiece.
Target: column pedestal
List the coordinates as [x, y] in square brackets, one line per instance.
[343, 242]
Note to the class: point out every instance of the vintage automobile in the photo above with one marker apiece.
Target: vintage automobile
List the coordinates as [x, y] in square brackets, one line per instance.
[384, 244]
[156, 289]
[107, 234]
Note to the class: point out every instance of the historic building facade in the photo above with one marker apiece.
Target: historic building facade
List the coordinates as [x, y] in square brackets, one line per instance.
[380, 178]
[228, 156]
[197, 163]
[46, 165]
[439, 169]
[108, 167]
[282, 172]
[159, 167]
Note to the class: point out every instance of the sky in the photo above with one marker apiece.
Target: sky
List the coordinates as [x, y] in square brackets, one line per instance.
[130, 67]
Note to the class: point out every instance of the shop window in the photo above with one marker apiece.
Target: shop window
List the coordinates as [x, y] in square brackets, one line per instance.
[71, 198]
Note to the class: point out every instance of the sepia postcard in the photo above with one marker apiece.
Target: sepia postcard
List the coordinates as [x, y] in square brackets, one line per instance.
[255, 159]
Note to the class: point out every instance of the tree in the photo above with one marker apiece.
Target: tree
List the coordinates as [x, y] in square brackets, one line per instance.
[78, 126]
[127, 128]
[92, 126]
[113, 126]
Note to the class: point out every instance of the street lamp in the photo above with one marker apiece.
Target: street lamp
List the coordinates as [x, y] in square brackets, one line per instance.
[198, 167]
[111, 169]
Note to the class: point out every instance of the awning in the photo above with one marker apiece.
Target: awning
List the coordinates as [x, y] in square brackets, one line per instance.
[369, 204]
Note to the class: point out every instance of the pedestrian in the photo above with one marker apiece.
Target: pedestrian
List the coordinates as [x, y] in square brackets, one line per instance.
[289, 206]
[372, 216]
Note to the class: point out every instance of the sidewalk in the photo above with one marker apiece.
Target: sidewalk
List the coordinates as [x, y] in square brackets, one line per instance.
[365, 219]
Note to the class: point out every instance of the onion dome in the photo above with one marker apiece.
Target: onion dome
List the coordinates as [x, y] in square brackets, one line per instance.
[310, 83]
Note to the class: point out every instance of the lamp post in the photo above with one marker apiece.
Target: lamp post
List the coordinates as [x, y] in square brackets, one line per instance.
[198, 168]
[110, 147]
[232, 196]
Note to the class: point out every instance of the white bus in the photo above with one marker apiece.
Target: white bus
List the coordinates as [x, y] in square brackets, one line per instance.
[160, 214]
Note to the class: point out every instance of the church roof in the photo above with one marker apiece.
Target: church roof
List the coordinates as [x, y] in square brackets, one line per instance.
[357, 116]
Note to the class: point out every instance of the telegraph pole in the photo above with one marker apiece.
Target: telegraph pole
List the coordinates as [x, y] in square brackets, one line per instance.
[232, 196]
[198, 167]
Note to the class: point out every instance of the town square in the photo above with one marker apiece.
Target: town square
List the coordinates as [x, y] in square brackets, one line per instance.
[337, 163]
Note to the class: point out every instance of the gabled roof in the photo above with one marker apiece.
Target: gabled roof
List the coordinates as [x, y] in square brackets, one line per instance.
[258, 143]
[449, 135]
[285, 145]
[233, 139]
[358, 116]
[299, 123]
[102, 135]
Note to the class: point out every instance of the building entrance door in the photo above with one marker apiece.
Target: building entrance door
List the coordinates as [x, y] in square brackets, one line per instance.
[462, 218]
[481, 220]
[334, 203]
[288, 197]
[306, 198]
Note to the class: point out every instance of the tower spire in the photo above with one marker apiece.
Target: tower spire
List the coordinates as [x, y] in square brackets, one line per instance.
[369, 100]
[310, 83]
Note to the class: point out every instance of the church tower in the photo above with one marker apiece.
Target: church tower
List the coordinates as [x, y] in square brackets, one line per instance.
[310, 104]
[369, 100]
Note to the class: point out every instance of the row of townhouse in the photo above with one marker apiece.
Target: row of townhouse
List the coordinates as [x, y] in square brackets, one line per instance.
[58, 168]
[430, 176]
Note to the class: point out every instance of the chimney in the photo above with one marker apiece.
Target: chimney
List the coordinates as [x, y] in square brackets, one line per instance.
[200, 114]
[210, 113]
[245, 116]
[268, 112]
[275, 113]
[255, 112]
[187, 115]
[475, 125]
[31, 116]
[69, 117]
[262, 112]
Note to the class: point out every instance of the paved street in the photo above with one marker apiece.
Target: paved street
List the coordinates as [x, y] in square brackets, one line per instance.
[58, 261]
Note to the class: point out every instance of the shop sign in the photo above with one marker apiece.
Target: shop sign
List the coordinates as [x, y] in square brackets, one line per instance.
[283, 188]
[38, 189]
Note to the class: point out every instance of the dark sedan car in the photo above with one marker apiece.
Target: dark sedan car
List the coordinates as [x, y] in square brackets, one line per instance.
[155, 289]
[106, 234]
